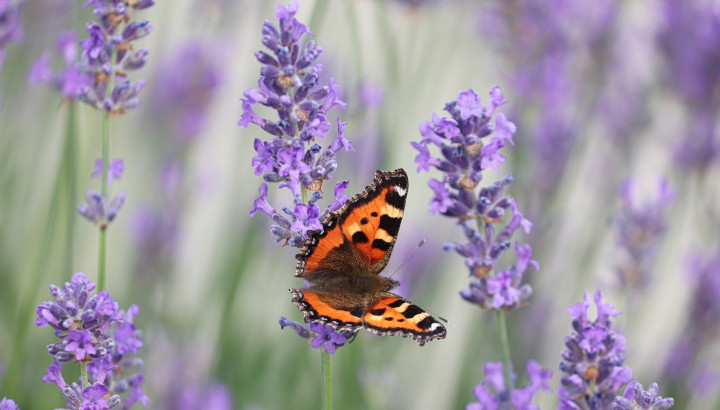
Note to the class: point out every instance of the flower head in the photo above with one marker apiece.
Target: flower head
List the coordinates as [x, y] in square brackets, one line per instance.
[320, 335]
[8, 404]
[10, 29]
[293, 156]
[640, 230]
[637, 398]
[108, 54]
[593, 360]
[493, 394]
[103, 210]
[92, 331]
[469, 144]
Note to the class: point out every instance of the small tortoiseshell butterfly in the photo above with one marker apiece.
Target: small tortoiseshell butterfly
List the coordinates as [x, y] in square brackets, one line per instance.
[343, 262]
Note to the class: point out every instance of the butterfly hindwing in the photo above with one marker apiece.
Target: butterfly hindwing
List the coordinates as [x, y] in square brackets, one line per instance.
[393, 315]
[365, 228]
[321, 307]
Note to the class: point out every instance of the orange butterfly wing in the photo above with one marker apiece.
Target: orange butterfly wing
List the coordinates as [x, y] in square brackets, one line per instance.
[393, 315]
[365, 228]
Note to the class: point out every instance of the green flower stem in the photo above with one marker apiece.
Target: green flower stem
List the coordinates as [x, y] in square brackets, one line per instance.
[505, 346]
[327, 379]
[69, 151]
[83, 375]
[103, 229]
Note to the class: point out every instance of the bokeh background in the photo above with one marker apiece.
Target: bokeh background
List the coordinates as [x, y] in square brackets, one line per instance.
[601, 92]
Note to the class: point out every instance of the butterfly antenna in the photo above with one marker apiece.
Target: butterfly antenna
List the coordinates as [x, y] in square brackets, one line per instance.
[407, 258]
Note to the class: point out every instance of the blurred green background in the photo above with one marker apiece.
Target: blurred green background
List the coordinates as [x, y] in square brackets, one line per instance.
[210, 282]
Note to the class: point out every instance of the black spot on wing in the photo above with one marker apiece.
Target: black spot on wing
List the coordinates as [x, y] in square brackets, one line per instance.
[374, 214]
[364, 221]
[388, 318]
[360, 237]
[357, 312]
[377, 312]
[412, 311]
[394, 199]
[390, 225]
[396, 304]
[380, 244]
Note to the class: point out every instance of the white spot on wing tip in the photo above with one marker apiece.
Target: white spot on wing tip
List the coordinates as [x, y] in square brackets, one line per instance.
[435, 326]
[400, 190]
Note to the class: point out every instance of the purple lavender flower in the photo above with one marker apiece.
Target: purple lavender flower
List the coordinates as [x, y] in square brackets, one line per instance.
[8, 404]
[69, 81]
[290, 85]
[637, 398]
[93, 332]
[102, 211]
[469, 144]
[10, 29]
[319, 334]
[185, 86]
[493, 394]
[593, 360]
[108, 54]
[692, 73]
[640, 230]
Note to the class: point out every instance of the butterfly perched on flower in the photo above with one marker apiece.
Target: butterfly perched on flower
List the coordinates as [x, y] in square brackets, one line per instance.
[342, 263]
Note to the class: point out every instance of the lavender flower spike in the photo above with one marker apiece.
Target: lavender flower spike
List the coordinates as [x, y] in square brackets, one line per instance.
[7, 404]
[640, 230]
[319, 334]
[293, 156]
[493, 394]
[10, 29]
[637, 398]
[469, 143]
[93, 332]
[102, 211]
[593, 360]
[109, 54]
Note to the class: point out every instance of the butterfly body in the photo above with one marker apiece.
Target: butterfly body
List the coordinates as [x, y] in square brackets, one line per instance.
[342, 264]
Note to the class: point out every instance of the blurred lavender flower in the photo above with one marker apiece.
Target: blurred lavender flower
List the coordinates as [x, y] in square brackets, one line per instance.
[108, 55]
[692, 73]
[637, 398]
[102, 211]
[10, 29]
[469, 144]
[701, 331]
[547, 45]
[8, 404]
[69, 81]
[319, 334]
[186, 84]
[289, 84]
[493, 394]
[640, 229]
[593, 359]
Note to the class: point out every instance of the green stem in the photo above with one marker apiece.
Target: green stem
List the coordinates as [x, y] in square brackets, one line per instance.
[505, 346]
[103, 229]
[327, 379]
[83, 375]
[69, 168]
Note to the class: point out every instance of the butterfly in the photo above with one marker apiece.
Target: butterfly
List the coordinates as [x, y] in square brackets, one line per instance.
[342, 263]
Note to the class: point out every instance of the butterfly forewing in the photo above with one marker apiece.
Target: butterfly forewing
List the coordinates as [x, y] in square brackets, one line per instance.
[368, 223]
